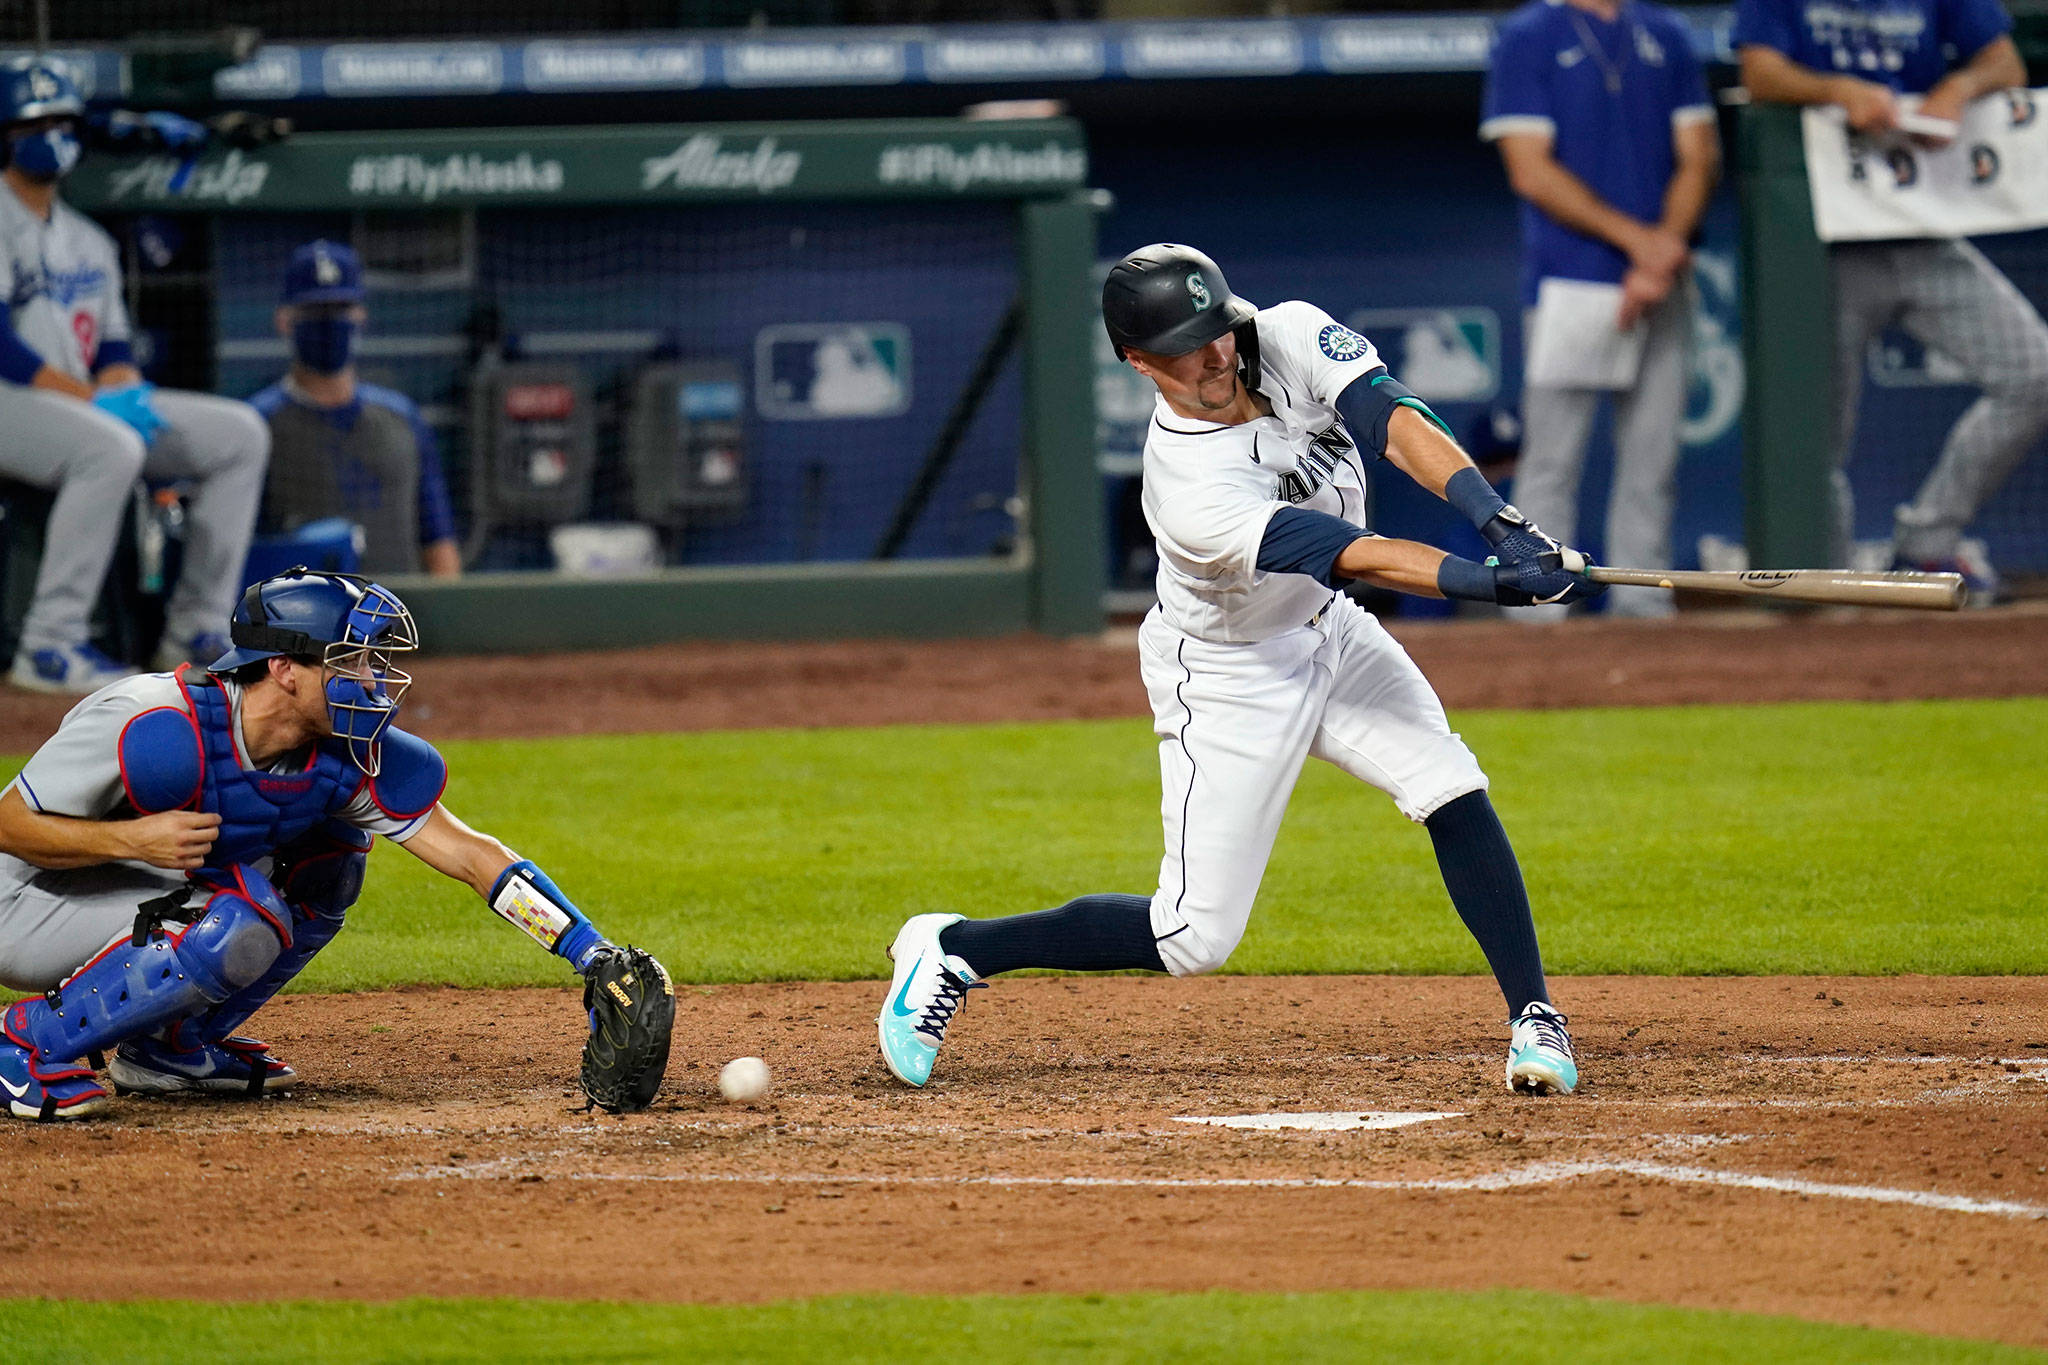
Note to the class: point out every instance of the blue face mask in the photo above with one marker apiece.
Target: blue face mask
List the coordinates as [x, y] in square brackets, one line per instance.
[325, 345]
[46, 156]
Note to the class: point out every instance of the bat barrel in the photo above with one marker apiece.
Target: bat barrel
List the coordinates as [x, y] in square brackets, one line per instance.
[1922, 591]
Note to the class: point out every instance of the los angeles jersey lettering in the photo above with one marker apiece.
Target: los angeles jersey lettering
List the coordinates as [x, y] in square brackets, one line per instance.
[1210, 490]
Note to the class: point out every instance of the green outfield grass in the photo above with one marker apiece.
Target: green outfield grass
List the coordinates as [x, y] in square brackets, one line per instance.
[1855, 838]
[1414, 1326]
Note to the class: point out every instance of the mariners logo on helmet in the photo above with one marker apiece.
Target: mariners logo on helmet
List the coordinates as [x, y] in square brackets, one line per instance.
[1341, 343]
[1198, 291]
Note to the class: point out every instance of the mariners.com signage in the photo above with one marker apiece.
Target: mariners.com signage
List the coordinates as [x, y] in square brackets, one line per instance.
[597, 166]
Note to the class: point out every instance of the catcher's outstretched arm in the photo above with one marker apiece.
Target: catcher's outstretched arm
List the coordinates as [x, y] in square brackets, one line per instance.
[514, 887]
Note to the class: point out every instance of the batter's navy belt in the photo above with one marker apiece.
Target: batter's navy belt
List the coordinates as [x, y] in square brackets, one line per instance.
[1322, 611]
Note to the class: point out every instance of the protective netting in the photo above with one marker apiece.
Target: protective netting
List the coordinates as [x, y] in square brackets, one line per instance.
[1911, 399]
[615, 388]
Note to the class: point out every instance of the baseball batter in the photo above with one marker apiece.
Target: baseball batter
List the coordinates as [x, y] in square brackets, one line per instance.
[77, 417]
[187, 841]
[1255, 488]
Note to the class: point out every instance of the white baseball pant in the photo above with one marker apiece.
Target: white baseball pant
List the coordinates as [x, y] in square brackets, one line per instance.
[1235, 722]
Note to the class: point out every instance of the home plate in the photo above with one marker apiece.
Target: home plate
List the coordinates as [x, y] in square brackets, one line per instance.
[1319, 1123]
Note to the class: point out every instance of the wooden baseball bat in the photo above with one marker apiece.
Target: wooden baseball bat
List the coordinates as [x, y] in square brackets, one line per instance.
[1928, 591]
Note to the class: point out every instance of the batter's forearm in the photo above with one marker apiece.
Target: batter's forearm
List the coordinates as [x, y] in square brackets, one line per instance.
[1400, 565]
[1418, 448]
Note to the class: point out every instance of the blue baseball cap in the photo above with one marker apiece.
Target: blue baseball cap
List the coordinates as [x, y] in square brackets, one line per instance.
[323, 272]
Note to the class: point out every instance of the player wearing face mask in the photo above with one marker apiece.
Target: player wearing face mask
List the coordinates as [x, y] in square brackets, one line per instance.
[78, 418]
[344, 448]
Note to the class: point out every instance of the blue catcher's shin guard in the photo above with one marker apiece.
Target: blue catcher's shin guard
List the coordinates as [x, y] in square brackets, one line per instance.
[319, 875]
[144, 983]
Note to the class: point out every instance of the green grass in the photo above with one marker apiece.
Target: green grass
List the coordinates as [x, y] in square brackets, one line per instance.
[1409, 1326]
[1854, 838]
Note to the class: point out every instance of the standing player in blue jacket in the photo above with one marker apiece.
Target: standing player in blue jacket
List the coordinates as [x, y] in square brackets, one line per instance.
[1600, 112]
[1863, 57]
[187, 841]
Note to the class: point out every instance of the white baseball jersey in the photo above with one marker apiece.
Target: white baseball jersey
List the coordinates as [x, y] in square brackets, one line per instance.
[1252, 673]
[61, 281]
[1210, 489]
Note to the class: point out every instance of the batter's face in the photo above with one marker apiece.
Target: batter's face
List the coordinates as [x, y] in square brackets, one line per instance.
[1200, 381]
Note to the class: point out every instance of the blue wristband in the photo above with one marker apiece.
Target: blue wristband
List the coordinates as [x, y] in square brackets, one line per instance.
[580, 944]
[1466, 580]
[1470, 493]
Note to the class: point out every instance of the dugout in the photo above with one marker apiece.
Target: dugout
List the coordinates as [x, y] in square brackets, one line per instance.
[903, 304]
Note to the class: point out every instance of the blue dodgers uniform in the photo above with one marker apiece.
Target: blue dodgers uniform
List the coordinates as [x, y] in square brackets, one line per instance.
[1908, 45]
[1608, 95]
[373, 460]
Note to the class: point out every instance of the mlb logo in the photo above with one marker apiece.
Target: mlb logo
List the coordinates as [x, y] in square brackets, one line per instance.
[825, 371]
[1446, 355]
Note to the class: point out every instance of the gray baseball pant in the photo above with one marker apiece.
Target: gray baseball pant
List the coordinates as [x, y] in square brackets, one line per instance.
[218, 446]
[53, 923]
[1948, 297]
[1555, 425]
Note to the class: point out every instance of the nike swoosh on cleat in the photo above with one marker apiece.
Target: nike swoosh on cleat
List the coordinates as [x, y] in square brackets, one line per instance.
[902, 1010]
[18, 1091]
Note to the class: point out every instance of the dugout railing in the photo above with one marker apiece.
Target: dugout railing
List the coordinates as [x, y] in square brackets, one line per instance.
[1049, 577]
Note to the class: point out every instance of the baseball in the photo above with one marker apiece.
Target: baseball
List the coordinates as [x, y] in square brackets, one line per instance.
[743, 1079]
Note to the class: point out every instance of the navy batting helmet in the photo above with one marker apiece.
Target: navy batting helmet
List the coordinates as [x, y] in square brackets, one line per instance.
[36, 87]
[1170, 299]
[353, 627]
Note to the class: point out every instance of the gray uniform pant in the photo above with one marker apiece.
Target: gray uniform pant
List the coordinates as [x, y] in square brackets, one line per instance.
[1949, 298]
[92, 460]
[1555, 425]
[53, 923]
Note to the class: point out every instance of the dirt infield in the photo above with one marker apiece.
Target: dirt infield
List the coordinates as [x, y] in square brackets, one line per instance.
[1860, 1150]
[1704, 657]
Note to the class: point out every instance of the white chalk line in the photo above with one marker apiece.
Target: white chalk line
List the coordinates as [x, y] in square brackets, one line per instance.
[1538, 1173]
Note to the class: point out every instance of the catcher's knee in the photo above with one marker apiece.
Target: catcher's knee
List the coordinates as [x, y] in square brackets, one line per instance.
[134, 987]
[237, 933]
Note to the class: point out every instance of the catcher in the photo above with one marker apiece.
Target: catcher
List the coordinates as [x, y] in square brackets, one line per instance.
[186, 842]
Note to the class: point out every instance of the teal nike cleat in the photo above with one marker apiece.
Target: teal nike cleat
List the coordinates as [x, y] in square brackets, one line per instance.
[1540, 1056]
[923, 996]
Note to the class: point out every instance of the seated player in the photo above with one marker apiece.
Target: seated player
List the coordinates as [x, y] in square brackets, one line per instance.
[1255, 489]
[186, 842]
[340, 447]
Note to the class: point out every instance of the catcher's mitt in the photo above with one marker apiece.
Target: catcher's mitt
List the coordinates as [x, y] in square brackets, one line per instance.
[632, 1007]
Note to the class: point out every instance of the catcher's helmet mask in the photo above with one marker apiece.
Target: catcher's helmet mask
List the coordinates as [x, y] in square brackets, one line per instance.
[1170, 299]
[354, 627]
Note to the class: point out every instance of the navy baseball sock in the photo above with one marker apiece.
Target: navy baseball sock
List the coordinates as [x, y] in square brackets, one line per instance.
[1105, 933]
[1485, 883]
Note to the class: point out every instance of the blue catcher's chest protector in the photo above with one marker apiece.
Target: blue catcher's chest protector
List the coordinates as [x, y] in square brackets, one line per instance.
[259, 811]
